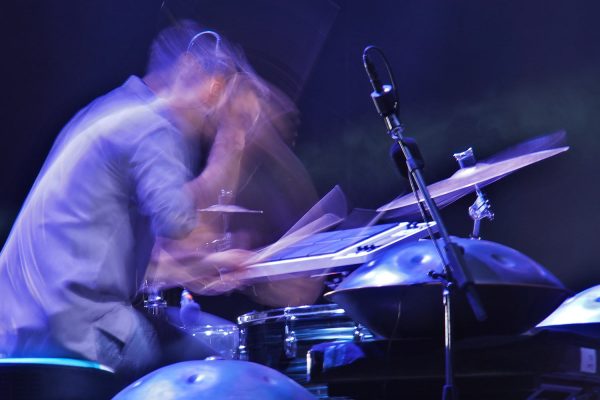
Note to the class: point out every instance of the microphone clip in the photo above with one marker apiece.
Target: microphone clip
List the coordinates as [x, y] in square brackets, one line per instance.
[385, 101]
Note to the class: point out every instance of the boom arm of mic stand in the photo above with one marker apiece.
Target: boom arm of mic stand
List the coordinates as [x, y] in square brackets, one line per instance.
[455, 263]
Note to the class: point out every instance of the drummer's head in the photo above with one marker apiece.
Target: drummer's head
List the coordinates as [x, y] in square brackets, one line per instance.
[189, 68]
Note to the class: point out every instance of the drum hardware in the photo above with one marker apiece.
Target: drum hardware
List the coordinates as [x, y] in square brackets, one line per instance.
[333, 279]
[481, 208]
[154, 300]
[226, 209]
[242, 353]
[290, 343]
[360, 334]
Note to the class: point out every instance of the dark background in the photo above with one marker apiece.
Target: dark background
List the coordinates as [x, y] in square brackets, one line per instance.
[486, 74]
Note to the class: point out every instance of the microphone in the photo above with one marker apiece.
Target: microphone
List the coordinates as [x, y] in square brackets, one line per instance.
[372, 72]
[384, 96]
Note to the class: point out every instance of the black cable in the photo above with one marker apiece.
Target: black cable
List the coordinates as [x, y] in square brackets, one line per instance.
[421, 206]
[387, 66]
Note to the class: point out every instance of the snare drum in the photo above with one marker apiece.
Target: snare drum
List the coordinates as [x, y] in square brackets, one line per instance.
[280, 338]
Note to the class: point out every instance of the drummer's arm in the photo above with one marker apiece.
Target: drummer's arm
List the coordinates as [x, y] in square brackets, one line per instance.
[236, 119]
[222, 168]
[189, 262]
[286, 293]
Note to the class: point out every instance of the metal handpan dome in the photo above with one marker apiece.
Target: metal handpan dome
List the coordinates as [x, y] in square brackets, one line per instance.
[394, 296]
[214, 379]
[578, 314]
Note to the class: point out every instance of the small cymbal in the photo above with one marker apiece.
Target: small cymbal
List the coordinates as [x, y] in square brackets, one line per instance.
[465, 180]
[230, 209]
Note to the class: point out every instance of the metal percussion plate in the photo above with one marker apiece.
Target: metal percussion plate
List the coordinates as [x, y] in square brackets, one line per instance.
[466, 180]
[578, 314]
[393, 295]
[214, 379]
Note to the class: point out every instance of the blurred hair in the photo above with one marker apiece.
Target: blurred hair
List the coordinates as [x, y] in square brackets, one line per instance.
[215, 54]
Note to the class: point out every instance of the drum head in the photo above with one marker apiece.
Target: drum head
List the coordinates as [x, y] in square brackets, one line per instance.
[307, 312]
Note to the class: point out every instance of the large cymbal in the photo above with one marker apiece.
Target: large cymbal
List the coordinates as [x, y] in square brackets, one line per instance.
[465, 180]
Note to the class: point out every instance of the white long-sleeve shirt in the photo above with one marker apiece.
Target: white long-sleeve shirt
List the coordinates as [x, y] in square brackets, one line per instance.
[79, 248]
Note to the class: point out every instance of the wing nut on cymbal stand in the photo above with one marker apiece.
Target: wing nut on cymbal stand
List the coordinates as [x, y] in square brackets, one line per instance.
[481, 208]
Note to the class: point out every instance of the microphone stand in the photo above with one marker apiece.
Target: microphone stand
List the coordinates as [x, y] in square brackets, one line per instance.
[455, 275]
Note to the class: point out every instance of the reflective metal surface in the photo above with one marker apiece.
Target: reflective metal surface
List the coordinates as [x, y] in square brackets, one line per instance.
[229, 209]
[465, 180]
[395, 297]
[214, 379]
[280, 338]
[580, 313]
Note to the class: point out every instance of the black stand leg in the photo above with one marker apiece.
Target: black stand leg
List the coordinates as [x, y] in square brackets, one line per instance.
[449, 392]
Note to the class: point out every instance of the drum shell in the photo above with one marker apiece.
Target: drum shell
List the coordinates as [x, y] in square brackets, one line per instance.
[281, 338]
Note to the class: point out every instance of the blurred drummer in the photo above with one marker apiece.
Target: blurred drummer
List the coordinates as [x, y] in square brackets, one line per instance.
[120, 176]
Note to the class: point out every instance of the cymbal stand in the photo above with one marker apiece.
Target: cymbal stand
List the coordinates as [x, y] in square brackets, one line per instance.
[481, 208]
[449, 391]
[154, 300]
[225, 198]
[455, 273]
[225, 241]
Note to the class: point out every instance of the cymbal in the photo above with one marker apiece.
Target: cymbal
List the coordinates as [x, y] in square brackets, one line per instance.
[465, 180]
[229, 209]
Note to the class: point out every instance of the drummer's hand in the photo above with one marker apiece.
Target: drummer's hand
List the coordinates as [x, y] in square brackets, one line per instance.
[216, 275]
[194, 265]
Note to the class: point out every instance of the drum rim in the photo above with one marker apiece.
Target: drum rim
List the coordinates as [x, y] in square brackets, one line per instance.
[298, 312]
